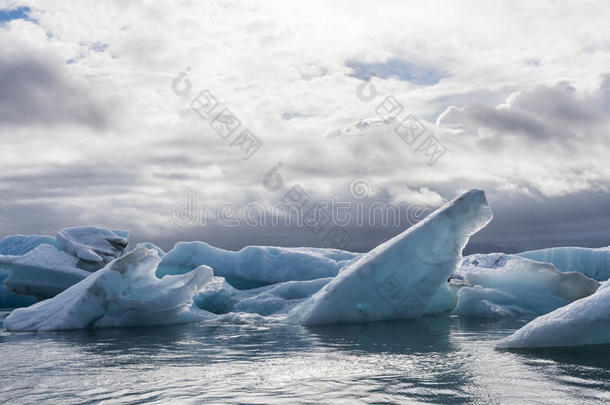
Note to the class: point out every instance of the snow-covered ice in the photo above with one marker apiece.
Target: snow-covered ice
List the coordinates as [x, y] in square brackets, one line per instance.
[397, 279]
[583, 322]
[95, 246]
[499, 285]
[594, 263]
[124, 293]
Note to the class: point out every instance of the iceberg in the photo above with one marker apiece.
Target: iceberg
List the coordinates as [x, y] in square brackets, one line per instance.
[594, 263]
[583, 322]
[485, 260]
[124, 293]
[95, 246]
[279, 299]
[398, 278]
[498, 285]
[220, 297]
[87, 280]
[43, 272]
[18, 245]
[9, 299]
[42, 267]
[444, 299]
[256, 266]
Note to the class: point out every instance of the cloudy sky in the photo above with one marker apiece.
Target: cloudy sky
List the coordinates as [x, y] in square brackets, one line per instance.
[119, 114]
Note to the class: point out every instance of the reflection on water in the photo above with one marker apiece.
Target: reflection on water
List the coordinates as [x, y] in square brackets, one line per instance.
[438, 360]
[422, 335]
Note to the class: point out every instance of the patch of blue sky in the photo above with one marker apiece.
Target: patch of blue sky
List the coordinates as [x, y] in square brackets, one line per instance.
[401, 69]
[19, 13]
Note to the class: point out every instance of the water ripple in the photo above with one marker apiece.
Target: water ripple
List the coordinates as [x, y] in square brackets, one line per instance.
[445, 360]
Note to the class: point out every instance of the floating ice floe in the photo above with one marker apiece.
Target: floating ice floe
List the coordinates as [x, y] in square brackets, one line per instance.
[124, 293]
[405, 277]
[498, 285]
[42, 272]
[410, 269]
[42, 267]
[255, 266]
[594, 263]
[18, 245]
[220, 297]
[279, 299]
[397, 279]
[583, 322]
[9, 299]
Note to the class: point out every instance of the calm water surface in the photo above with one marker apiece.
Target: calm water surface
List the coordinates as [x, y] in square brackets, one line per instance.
[435, 360]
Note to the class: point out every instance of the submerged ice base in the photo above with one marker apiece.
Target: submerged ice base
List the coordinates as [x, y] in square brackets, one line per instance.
[397, 279]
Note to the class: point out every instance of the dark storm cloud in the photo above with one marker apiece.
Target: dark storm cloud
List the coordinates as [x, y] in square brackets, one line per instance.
[524, 223]
[504, 120]
[131, 175]
[69, 180]
[557, 112]
[45, 199]
[519, 224]
[36, 90]
[18, 217]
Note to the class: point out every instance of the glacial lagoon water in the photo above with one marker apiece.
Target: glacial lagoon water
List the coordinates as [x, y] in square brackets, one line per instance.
[432, 360]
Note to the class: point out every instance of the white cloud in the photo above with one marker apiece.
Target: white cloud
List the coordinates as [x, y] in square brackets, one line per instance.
[508, 117]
